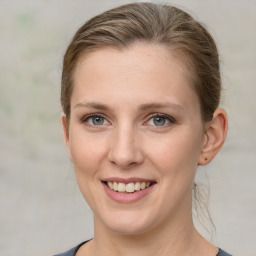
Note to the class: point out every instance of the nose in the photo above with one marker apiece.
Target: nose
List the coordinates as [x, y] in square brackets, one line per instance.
[125, 148]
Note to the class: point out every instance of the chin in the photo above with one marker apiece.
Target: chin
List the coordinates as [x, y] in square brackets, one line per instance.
[128, 225]
[129, 229]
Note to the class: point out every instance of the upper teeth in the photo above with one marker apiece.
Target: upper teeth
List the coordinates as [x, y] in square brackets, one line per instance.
[130, 187]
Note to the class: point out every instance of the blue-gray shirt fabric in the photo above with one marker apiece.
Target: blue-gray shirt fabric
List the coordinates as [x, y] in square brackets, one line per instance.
[72, 252]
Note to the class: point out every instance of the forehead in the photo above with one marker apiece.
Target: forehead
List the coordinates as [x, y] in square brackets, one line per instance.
[142, 68]
[137, 55]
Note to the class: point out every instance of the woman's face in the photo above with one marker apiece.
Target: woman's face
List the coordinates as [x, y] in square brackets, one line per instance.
[135, 127]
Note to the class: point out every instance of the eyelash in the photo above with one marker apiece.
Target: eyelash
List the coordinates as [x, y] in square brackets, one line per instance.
[170, 119]
[86, 118]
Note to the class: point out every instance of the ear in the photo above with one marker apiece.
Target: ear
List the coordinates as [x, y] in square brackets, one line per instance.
[65, 130]
[214, 136]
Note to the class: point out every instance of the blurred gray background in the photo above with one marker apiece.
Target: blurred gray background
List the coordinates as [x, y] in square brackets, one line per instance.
[41, 209]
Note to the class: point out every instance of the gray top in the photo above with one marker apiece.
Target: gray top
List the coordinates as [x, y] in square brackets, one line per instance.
[72, 252]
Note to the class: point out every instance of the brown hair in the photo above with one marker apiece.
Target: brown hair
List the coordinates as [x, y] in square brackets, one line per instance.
[160, 24]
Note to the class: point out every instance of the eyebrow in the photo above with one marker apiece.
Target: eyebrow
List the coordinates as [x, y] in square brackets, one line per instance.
[161, 105]
[92, 105]
[142, 107]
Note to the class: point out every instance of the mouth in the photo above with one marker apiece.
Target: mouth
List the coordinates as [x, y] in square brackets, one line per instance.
[130, 187]
[128, 190]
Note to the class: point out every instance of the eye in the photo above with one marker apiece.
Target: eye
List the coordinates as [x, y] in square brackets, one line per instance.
[160, 120]
[95, 120]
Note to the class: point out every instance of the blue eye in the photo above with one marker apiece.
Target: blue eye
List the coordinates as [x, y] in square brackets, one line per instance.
[95, 120]
[160, 120]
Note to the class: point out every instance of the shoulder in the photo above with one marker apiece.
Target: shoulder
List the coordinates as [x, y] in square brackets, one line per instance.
[71, 252]
[222, 253]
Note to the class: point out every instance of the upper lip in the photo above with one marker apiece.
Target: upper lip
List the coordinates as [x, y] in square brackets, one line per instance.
[127, 180]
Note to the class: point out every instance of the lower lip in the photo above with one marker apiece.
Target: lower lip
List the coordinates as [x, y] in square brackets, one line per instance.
[124, 197]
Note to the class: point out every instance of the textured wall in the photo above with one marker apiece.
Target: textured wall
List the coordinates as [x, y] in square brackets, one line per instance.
[41, 210]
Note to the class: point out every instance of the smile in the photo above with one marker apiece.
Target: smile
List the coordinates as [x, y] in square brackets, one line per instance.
[129, 187]
[128, 190]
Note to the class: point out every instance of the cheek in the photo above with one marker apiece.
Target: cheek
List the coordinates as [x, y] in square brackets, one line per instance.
[176, 153]
[87, 151]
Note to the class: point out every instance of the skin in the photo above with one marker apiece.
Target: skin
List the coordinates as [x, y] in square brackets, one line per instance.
[128, 88]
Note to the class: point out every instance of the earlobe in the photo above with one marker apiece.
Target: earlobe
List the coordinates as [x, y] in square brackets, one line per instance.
[66, 133]
[214, 136]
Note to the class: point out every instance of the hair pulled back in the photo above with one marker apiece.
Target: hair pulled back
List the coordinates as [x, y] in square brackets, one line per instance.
[159, 24]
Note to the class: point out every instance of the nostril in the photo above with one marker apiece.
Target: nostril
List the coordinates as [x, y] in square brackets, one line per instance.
[125, 158]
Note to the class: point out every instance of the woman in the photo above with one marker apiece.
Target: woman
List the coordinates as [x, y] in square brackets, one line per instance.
[140, 94]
